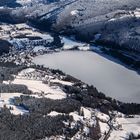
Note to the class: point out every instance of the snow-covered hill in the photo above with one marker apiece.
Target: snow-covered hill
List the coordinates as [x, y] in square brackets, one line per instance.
[39, 103]
[118, 22]
[83, 112]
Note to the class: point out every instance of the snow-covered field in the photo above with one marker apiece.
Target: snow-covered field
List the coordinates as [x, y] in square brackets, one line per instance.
[103, 127]
[103, 117]
[120, 126]
[23, 2]
[128, 126]
[6, 100]
[38, 86]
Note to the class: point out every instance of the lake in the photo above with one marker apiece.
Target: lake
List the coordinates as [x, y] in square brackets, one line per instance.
[107, 76]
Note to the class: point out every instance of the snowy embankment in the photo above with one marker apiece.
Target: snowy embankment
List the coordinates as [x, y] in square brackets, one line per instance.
[34, 81]
[71, 44]
[6, 101]
[127, 126]
[39, 87]
[87, 118]
[23, 2]
[121, 126]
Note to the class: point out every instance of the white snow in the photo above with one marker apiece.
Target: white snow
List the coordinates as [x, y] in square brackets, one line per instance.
[75, 116]
[54, 113]
[38, 48]
[86, 47]
[1, 7]
[137, 13]
[86, 130]
[23, 2]
[40, 87]
[10, 30]
[87, 113]
[25, 71]
[129, 125]
[103, 127]
[102, 116]
[6, 99]
[69, 44]
[54, 138]
[74, 12]
[61, 82]
[37, 86]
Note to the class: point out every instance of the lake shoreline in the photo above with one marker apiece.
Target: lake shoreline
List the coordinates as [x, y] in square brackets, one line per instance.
[99, 83]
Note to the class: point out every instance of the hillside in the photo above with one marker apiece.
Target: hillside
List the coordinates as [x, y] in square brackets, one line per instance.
[40, 103]
[117, 22]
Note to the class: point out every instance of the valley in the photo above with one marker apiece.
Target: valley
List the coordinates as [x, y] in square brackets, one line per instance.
[41, 96]
[37, 86]
[69, 70]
